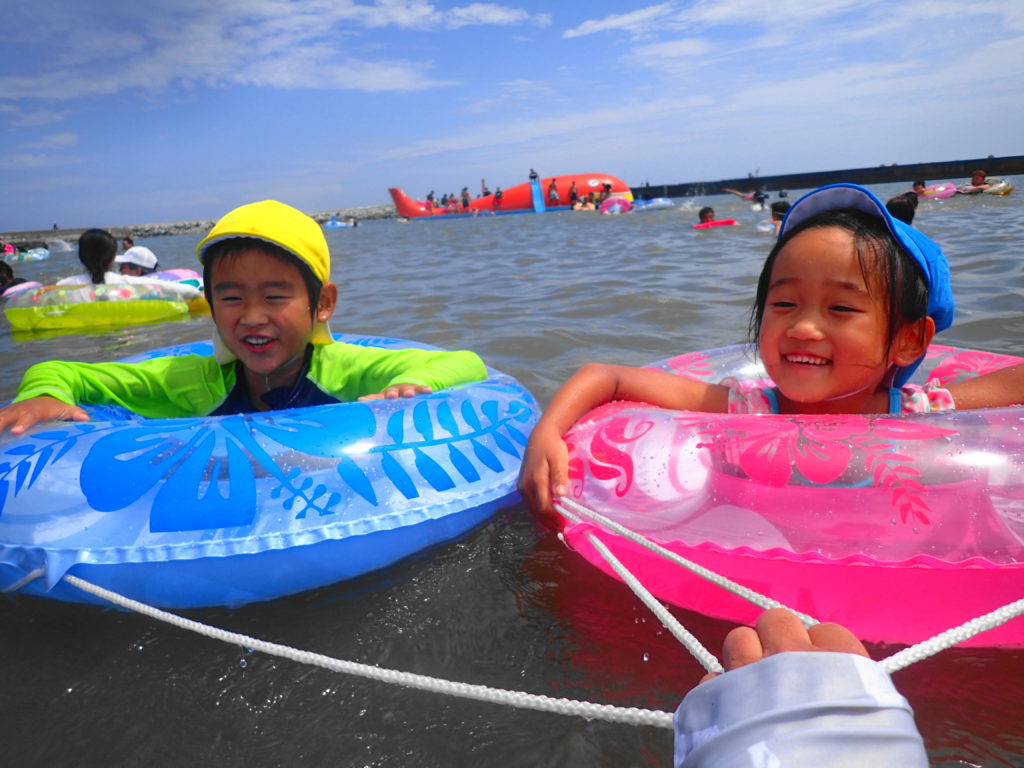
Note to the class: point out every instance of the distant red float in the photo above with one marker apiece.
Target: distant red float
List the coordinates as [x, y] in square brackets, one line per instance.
[529, 197]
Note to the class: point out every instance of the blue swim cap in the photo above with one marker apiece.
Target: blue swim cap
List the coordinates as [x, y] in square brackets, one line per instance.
[926, 254]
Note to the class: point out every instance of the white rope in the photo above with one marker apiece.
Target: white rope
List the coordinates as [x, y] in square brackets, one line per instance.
[30, 576]
[737, 589]
[681, 633]
[897, 661]
[627, 715]
[951, 637]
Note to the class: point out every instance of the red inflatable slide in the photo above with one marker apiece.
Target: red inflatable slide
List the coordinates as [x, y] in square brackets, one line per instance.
[531, 196]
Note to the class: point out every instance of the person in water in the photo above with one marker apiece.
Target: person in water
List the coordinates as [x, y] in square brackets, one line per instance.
[799, 698]
[847, 303]
[979, 183]
[779, 209]
[7, 278]
[918, 188]
[903, 206]
[706, 214]
[266, 270]
[96, 250]
[137, 260]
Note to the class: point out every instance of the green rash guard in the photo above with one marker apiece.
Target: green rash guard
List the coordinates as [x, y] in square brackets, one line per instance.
[193, 385]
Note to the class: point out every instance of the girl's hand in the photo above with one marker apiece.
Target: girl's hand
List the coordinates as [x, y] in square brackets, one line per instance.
[396, 391]
[780, 631]
[544, 474]
[21, 415]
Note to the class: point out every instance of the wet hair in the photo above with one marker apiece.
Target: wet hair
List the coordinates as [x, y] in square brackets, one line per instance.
[903, 207]
[780, 207]
[883, 264]
[918, 183]
[221, 249]
[6, 274]
[706, 209]
[96, 250]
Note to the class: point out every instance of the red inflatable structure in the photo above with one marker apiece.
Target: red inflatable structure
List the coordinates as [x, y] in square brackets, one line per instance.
[529, 197]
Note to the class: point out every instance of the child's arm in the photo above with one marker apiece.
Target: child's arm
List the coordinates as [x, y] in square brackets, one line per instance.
[26, 413]
[545, 464]
[991, 390]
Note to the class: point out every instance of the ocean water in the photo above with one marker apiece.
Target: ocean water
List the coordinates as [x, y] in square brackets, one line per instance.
[506, 606]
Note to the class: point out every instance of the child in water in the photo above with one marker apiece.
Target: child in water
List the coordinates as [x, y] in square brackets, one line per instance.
[847, 303]
[266, 269]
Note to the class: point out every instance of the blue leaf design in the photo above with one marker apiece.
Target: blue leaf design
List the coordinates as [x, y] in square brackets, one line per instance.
[486, 456]
[21, 450]
[355, 479]
[20, 473]
[177, 507]
[490, 409]
[421, 420]
[432, 472]
[462, 464]
[41, 461]
[396, 426]
[504, 443]
[446, 419]
[516, 435]
[398, 476]
[52, 436]
[68, 445]
[470, 416]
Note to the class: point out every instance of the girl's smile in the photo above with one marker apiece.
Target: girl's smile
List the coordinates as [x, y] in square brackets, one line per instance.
[823, 334]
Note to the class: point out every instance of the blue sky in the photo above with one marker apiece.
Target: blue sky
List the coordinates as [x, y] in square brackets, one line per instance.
[115, 113]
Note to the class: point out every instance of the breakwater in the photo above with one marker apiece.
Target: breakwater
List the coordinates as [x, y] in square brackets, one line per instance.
[882, 174]
[34, 238]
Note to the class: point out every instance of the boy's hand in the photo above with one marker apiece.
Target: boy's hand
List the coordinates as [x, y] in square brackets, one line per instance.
[20, 416]
[396, 391]
[780, 631]
[544, 473]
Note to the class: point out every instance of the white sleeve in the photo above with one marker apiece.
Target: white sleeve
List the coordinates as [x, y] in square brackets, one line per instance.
[798, 710]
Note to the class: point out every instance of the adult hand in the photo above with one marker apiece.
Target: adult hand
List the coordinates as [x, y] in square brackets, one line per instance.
[780, 631]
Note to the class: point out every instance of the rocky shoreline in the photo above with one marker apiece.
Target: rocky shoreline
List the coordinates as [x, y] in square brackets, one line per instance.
[40, 238]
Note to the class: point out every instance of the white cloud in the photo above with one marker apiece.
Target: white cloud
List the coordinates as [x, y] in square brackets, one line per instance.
[637, 23]
[54, 141]
[19, 117]
[276, 43]
[489, 13]
[24, 161]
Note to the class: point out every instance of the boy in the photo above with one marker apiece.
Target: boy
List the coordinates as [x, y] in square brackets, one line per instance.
[265, 268]
[137, 260]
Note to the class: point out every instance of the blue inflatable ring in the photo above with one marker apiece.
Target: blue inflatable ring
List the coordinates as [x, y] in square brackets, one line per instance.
[227, 510]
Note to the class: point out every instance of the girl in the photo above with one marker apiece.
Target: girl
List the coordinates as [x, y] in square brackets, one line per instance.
[96, 250]
[847, 302]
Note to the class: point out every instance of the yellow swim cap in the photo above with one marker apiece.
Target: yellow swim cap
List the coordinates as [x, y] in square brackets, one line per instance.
[279, 224]
[284, 226]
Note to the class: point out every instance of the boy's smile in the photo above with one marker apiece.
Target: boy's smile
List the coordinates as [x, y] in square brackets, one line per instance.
[823, 335]
[262, 312]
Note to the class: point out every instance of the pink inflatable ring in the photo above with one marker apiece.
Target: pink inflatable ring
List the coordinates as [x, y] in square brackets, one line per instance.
[898, 527]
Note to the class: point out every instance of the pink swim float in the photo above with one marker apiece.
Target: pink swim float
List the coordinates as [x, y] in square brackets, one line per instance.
[715, 223]
[940, 191]
[898, 527]
[615, 205]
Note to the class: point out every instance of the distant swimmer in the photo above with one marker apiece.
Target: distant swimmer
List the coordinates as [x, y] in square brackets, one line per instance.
[979, 183]
[758, 196]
